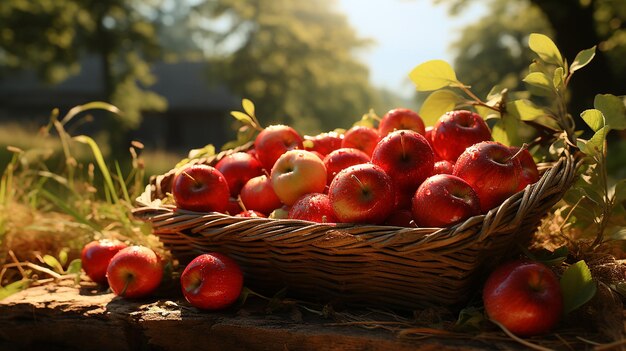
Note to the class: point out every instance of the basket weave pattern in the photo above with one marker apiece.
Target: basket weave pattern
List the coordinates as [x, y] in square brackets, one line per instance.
[395, 267]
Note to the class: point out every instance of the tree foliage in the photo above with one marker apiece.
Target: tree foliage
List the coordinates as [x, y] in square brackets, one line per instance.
[295, 59]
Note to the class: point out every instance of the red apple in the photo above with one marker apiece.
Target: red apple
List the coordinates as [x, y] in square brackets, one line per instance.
[343, 158]
[442, 200]
[362, 138]
[457, 130]
[323, 143]
[212, 281]
[530, 173]
[492, 170]
[297, 172]
[362, 194]
[401, 118]
[233, 206]
[201, 188]
[314, 207]
[525, 297]
[238, 168]
[274, 141]
[95, 258]
[135, 271]
[443, 167]
[406, 157]
[428, 134]
[258, 194]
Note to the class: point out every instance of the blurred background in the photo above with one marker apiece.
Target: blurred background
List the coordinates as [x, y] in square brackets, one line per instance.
[177, 67]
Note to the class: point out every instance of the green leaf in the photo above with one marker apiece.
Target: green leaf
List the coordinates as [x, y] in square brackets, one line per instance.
[524, 110]
[552, 258]
[559, 79]
[539, 84]
[248, 106]
[619, 191]
[63, 257]
[596, 143]
[543, 46]
[54, 263]
[438, 103]
[582, 59]
[577, 286]
[242, 117]
[593, 118]
[613, 109]
[505, 131]
[15, 287]
[487, 113]
[74, 267]
[470, 318]
[433, 75]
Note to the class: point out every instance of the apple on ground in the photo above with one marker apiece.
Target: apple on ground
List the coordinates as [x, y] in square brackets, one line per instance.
[212, 281]
[443, 200]
[362, 138]
[95, 258]
[324, 143]
[135, 271]
[530, 173]
[401, 118]
[297, 172]
[274, 141]
[492, 170]
[200, 188]
[238, 168]
[314, 207]
[523, 296]
[258, 194]
[362, 194]
[343, 158]
[406, 157]
[457, 130]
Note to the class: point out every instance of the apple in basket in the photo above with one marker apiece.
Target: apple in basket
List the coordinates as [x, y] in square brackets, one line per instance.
[212, 281]
[525, 297]
[343, 158]
[314, 207]
[258, 194]
[457, 130]
[362, 138]
[406, 157]
[492, 170]
[362, 194]
[401, 118]
[530, 173]
[238, 168]
[201, 188]
[135, 271]
[298, 172]
[273, 141]
[324, 143]
[95, 258]
[443, 200]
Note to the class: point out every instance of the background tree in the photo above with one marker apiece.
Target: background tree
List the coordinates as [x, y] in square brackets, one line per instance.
[573, 24]
[52, 37]
[295, 59]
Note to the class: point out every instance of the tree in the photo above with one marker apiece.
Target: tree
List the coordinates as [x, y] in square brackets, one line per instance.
[574, 25]
[295, 59]
[52, 37]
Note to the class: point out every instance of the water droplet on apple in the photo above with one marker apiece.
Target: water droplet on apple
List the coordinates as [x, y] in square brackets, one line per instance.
[427, 192]
[474, 155]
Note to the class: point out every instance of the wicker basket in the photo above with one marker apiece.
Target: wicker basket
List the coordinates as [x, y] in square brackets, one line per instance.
[394, 267]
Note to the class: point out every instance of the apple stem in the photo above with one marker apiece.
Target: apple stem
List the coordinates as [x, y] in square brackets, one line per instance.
[402, 144]
[190, 177]
[127, 281]
[519, 152]
[241, 203]
[324, 219]
[358, 181]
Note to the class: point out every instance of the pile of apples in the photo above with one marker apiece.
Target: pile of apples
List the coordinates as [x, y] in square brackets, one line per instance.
[400, 173]
[211, 281]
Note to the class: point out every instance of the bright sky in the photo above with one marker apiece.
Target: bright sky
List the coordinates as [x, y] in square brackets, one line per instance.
[407, 33]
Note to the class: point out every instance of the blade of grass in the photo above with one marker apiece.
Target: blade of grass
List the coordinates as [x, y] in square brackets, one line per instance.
[95, 105]
[101, 164]
[69, 210]
[122, 182]
[15, 287]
